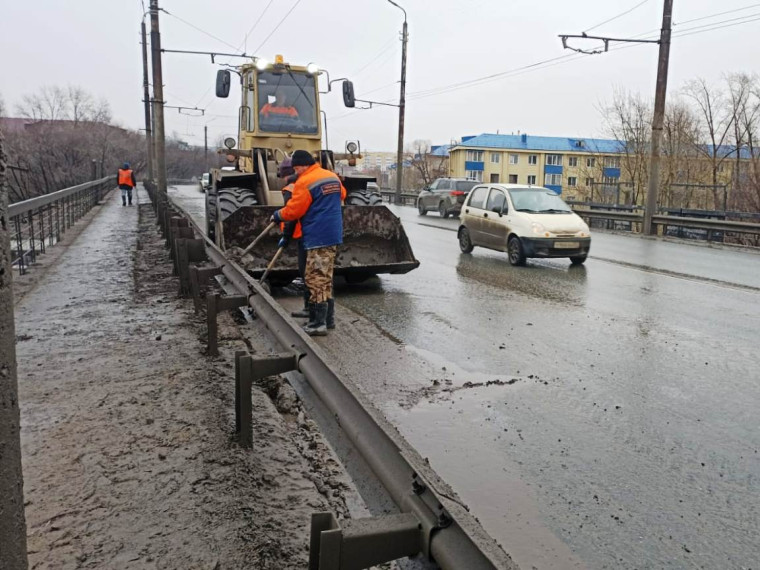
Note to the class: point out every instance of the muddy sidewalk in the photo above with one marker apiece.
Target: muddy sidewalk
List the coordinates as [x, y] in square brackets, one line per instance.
[127, 456]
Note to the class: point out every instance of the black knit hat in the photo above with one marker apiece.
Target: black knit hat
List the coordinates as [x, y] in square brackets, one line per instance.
[302, 158]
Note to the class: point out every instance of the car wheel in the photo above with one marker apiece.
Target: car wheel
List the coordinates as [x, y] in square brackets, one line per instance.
[465, 243]
[442, 210]
[515, 251]
[578, 259]
[420, 208]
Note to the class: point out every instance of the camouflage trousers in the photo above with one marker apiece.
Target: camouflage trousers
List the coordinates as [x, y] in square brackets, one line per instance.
[319, 273]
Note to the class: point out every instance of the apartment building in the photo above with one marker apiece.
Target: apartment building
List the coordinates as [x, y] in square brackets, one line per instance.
[571, 166]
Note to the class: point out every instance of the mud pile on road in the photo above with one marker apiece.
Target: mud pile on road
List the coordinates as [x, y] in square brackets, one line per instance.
[128, 456]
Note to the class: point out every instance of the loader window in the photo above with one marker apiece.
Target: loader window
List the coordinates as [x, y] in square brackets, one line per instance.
[287, 102]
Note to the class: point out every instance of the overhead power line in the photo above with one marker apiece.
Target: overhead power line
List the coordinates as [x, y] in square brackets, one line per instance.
[201, 30]
[245, 39]
[277, 27]
[618, 16]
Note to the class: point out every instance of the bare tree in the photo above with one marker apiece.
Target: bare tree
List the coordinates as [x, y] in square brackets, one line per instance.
[12, 522]
[2, 107]
[427, 166]
[717, 123]
[628, 120]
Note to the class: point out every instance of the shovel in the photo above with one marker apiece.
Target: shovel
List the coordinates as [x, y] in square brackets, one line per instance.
[269, 267]
[258, 239]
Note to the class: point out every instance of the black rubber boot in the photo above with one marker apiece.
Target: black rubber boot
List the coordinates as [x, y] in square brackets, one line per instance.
[303, 313]
[319, 328]
[312, 316]
[330, 319]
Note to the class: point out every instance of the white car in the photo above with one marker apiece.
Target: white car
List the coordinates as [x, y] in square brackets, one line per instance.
[524, 221]
[205, 181]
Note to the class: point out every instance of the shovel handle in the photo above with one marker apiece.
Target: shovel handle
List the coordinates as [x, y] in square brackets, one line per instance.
[258, 239]
[271, 264]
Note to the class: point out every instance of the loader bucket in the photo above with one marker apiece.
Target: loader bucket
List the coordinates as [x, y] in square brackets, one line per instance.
[374, 242]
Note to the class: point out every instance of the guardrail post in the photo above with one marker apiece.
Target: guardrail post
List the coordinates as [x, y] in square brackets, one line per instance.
[214, 304]
[189, 251]
[361, 543]
[247, 370]
[199, 277]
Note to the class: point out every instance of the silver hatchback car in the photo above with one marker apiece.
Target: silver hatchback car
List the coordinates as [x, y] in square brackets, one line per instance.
[445, 196]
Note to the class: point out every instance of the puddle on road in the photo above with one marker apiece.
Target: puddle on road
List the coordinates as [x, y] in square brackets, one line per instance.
[486, 480]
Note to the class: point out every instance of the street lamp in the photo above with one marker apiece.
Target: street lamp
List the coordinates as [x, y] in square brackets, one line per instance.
[401, 105]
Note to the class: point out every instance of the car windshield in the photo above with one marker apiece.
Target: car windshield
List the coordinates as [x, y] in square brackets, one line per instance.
[465, 186]
[538, 200]
[287, 102]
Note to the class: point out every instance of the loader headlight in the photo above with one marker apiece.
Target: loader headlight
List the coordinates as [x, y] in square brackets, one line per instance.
[312, 68]
[351, 147]
[229, 142]
[261, 64]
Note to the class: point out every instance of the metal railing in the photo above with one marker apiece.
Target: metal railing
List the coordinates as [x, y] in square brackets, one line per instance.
[431, 520]
[40, 222]
[710, 225]
[406, 197]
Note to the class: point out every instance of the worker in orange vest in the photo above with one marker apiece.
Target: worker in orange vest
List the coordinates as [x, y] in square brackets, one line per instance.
[126, 181]
[292, 231]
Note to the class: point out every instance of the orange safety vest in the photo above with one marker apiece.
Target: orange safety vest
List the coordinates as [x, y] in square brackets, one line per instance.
[270, 109]
[297, 233]
[125, 177]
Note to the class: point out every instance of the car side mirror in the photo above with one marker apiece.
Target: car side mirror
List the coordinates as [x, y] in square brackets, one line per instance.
[348, 94]
[498, 210]
[222, 83]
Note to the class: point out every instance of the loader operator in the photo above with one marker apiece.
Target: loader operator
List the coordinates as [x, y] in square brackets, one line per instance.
[126, 181]
[316, 202]
[279, 108]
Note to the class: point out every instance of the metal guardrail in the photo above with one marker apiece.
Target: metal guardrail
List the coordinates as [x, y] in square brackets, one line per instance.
[406, 197]
[708, 224]
[432, 521]
[45, 218]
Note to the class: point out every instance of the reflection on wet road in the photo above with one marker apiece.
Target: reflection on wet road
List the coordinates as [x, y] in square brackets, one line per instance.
[633, 422]
[625, 419]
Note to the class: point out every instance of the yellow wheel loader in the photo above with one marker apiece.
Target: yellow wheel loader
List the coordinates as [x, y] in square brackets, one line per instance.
[280, 114]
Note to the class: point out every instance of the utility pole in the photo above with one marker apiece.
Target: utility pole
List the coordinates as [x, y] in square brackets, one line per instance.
[158, 100]
[205, 148]
[12, 522]
[659, 116]
[650, 206]
[146, 101]
[401, 107]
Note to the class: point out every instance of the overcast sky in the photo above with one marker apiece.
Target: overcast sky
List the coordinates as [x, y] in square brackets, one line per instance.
[95, 44]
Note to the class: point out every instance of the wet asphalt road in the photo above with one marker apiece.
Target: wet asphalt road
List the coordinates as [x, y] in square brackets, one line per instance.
[630, 429]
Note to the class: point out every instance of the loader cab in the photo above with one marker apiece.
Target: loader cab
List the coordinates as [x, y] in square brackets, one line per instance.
[280, 101]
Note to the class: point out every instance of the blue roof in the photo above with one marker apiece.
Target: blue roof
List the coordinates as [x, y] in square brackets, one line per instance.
[554, 144]
[440, 150]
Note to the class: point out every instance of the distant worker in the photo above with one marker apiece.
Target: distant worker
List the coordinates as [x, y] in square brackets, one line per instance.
[316, 202]
[126, 181]
[292, 231]
[279, 108]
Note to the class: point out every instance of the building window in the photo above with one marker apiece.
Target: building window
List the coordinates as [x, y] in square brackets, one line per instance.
[612, 162]
[572, 161]
[495, 178]
[494, 158]
[610, 180]
[475, 155]
[513, 158]
[474, 175]
[531, 179]
[513, 178]
[553, 180]
[589, 181]
[590, 162]
[532, 159]
[554, 159]
[572, 181]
